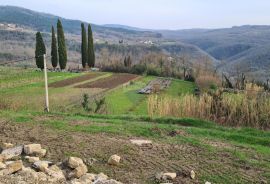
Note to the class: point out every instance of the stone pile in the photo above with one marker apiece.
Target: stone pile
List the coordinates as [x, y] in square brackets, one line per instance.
[25, 164]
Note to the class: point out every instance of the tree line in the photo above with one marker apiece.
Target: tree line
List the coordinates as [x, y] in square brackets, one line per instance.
[59, 51]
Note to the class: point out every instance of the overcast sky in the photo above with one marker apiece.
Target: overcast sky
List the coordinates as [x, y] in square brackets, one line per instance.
[157, 14]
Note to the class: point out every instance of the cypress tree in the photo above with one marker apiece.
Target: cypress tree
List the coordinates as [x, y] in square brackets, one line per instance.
[54, 53]
[62, 51]
[91, 52]
[40, 50]
[84, 46]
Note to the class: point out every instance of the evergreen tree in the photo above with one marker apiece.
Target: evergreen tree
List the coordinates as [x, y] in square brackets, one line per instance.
[40, 50]
[54, 53]
[128, 61]
[125, 61]
[62, 51]
[91, 52]
[84, 46]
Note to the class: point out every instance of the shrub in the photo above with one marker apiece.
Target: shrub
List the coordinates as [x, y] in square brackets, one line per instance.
[190, 78]
[153, 71]
[85, 102]
[138, 69]
[99, 104]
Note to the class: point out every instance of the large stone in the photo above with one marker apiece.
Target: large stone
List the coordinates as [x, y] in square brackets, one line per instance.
[79, 171]
[12, 167]
[41, 153]
[27, 172]
[12, 152]
[74, 162]
[2, 165]
[165, 176]
[207, 182]
[56, 173]
[192, 174]
[101, 176]
[34, 149]
[140, 142]
[32, 159]
[2, 158]
[114, 160]
[169, 176]
[88, 178]
[41, 165]
[7, 146]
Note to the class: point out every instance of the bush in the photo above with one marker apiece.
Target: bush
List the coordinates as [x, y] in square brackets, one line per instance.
[153, 71]
[85, 102]
[190, 78]
[138, 69]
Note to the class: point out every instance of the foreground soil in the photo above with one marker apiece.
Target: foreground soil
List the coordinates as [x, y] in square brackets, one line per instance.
[138, 165]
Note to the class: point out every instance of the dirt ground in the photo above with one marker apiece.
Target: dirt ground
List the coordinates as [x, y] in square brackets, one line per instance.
[74, 80]
[109, 82]
[138, 166]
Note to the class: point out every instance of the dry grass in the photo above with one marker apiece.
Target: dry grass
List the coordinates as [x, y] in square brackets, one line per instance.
[236, 110]
[208, 80]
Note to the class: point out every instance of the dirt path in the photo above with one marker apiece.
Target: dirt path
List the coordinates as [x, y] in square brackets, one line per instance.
[137, 165]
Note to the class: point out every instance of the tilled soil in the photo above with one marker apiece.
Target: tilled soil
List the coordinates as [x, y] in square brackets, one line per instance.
[109, 82]
[138, 166]
[68, 82]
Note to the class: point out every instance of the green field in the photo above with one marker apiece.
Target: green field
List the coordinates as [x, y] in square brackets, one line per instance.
[217, 154]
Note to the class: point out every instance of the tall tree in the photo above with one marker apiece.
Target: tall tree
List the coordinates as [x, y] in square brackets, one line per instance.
[91, 52]
[54, 53]
[84, 46]
[62, 51]
[40, 50]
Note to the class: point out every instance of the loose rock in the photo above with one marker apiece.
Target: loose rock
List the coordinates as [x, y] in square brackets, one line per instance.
[74, 162]
[56, 173]
[34, 149]
[41, 165]
[192, 174]
[12, 152]
[12, 167]
[114, 160]
[7, 146]
[207, 182]
[32, 159]
[79, 171]
[2, 165]
[101, 176]
[165, 176]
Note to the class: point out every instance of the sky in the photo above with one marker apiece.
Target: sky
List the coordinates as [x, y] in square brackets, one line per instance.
[156, 14]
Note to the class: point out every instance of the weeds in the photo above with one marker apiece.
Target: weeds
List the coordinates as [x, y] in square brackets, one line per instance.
[232, 110]
[85, 102]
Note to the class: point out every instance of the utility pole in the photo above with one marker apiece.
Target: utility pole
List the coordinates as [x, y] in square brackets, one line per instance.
[46, 85]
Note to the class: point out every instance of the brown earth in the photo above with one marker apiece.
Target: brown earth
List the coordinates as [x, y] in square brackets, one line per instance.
[68, 82]
[137, 165]
[109, 82]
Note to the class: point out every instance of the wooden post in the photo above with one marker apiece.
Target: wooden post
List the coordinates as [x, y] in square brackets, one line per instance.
[46, 85]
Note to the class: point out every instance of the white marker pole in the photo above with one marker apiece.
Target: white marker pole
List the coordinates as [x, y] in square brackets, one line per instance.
[46, 85]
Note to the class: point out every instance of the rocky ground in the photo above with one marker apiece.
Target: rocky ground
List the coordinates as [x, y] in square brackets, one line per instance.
[25, 164]
[118, 157]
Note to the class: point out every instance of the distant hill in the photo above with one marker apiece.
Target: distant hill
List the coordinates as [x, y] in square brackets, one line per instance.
[245, 47]
[18, 39]
[43, 22]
